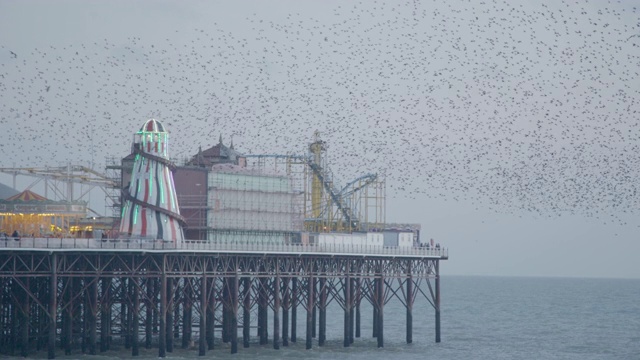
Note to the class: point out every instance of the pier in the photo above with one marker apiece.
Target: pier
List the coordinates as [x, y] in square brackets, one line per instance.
[83, 295]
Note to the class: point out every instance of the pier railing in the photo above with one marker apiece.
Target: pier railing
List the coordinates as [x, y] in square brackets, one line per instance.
[205, 246]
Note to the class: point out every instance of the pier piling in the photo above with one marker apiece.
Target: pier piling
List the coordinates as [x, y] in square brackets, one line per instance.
[87, 301]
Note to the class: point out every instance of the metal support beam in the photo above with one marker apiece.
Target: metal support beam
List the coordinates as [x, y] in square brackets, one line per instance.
[53, 307]
[437, 302]
[168, 334]
[234, 311]
[162, 319]
[187, 312]
[322, 336]
[358, 297]
[347, 311]
[276, 311]
[262, 311]
[211, 319]
[26, 319]
[150, 308]
[380, 322]
[352, 314]
[67, 318]
[135, 316]
[246, 311]
[105, 314]
[409, 304]
[92, 302]
[294, 309]
[286, 304]
[310, 308]
[202, 346]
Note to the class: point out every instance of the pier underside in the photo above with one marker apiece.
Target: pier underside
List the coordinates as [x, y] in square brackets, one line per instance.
[91, 301]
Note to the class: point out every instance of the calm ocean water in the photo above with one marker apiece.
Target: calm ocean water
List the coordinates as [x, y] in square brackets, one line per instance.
[482, 318]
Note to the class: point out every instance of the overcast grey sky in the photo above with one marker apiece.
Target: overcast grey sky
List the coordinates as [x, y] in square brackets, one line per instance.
[508, 129]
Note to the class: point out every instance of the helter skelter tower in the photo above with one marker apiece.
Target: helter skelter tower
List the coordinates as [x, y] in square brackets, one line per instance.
[150, 207]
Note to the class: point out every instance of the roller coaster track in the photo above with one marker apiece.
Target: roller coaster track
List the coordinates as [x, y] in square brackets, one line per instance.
[336, 196]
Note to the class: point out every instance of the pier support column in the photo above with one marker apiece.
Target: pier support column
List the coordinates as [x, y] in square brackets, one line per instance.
[226, 299]
[374, 295]
[322, 307]
[105, 314]
[177, 294]
[310, 309]
[409, 303]
[437, 300]
[202, 346]
[211, 311]
[53, 307]
[352, 314]
[380, 322]
[169, 315]
[233, 328]
[5, 306]
[92, 312]
[125, 312]
[150, 307]
[16, 311]
[162, 318]
[246, 311]
[314, 315]
[347, 310]
[67, 318]
[187, 312]
[358, 297]
[294, 309]
[276, 311]
[25, 320]
[135, 316]
[286, 304]
[262, 310]
[10, 321]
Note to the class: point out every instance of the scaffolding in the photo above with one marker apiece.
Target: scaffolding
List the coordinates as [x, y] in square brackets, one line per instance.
[358, 206]
[113, 189]
[251, 207]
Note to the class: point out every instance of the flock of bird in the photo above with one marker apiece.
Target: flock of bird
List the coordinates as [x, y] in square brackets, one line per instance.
[510, 105]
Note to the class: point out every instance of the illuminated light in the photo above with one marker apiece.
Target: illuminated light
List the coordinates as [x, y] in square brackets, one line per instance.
[135, 214]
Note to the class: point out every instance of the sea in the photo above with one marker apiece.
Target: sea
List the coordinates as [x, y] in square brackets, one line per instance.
[481, 318]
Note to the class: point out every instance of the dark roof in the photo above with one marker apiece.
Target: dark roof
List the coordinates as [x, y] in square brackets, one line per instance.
[216, 154]
[217, 150]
